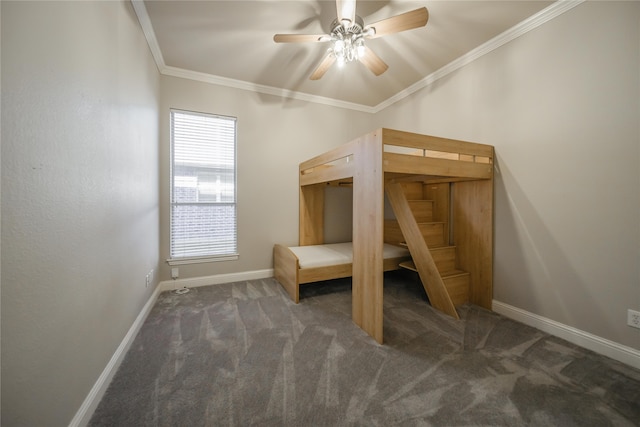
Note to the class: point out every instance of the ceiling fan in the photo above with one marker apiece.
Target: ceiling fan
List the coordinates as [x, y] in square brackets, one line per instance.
[348, 33]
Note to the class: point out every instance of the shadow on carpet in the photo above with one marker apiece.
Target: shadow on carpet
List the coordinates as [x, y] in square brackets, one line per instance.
[243, 354]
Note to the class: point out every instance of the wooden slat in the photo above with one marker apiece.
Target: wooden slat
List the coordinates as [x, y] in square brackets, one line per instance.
[429, 275]
[368, 216]
[426, 179]
[285, 270]
[428, 142]
[400, 163]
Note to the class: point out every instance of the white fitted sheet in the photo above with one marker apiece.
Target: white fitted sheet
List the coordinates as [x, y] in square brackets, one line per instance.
[337, 253]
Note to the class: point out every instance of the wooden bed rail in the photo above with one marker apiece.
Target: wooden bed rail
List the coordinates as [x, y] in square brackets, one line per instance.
[405, 153]
[330, 166]
[438, 167]
[465, 151]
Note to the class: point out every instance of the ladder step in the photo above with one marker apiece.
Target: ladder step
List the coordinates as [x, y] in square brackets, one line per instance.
[453, 273]
[409, 265]
[443, 256]
[432, 232]
[456, 282]
[422, 210]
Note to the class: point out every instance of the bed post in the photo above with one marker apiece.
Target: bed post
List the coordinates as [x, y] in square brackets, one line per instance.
[368, 226]
[311, 215]
[473, 235]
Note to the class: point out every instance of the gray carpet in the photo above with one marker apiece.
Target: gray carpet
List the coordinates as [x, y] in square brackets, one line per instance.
[243, 354]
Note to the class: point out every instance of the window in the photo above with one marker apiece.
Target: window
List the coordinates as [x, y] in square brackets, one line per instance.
[203, 187]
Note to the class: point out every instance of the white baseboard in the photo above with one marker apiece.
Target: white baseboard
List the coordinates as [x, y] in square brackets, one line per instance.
[619, 352]
[194, 282]
[83, 416]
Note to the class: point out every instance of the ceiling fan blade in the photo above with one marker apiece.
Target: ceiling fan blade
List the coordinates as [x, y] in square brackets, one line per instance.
[301, 38]
[346, 10]
[405, 21]
[322, 68]
[373, 62]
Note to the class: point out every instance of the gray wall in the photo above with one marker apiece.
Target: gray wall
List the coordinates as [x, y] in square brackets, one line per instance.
[80, 94]
[274, 136]
[561, 106]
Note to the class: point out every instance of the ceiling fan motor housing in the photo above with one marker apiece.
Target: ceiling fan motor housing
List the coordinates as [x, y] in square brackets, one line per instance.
[352, 28]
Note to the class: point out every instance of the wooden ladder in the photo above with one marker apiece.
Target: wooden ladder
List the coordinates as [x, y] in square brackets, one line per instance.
[428, 242]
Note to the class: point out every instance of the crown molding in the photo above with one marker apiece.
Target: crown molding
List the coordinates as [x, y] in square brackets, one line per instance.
[534, 21]
[267, 90]
[552, 11]
[149, 34]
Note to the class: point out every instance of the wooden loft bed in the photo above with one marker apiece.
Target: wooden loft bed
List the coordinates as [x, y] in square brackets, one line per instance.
[441, 192]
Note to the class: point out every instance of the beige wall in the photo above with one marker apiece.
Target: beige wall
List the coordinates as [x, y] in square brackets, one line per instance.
[83, 109]
[80, 95]
[274, 136]
[561, 106]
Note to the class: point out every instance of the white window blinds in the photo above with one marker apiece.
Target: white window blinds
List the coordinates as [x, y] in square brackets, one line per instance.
[203, 185]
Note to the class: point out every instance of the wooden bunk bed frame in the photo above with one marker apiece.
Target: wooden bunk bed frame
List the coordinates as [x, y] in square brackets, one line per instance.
[385, 160]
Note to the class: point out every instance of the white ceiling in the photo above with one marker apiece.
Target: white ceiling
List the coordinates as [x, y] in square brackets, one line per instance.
[232, 42]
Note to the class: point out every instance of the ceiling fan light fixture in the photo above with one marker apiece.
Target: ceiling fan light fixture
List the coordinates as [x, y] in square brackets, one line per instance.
[347, 43]
[347, 50]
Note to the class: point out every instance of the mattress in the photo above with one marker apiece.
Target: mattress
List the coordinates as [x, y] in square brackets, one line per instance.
[337, 253]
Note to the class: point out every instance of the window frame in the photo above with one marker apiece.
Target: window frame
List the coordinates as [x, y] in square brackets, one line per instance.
[230, 256]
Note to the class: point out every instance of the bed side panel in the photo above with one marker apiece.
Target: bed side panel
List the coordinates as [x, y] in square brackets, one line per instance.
[285, 270]
[329, 272]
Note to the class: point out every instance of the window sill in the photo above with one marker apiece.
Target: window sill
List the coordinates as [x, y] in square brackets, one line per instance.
[202, 260]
